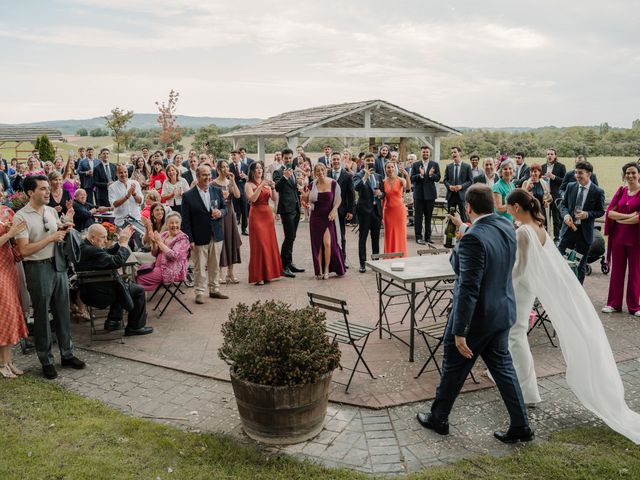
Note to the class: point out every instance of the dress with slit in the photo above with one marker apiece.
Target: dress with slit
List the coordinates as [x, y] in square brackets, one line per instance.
[318, 224]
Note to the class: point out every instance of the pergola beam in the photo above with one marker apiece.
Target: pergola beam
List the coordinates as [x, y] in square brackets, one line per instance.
[365, 132]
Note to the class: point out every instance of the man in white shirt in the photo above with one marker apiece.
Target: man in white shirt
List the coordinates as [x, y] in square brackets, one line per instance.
[125, 196]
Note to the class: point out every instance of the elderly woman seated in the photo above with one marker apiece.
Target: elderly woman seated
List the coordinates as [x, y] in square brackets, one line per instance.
[171, 249]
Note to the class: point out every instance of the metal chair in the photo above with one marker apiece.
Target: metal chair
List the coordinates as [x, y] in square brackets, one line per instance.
[87, 278]
[542, 320]
[436, 292]
[172, 290]
[344, 331]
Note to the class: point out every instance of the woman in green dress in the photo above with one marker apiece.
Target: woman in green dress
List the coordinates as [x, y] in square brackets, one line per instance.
[503, 187]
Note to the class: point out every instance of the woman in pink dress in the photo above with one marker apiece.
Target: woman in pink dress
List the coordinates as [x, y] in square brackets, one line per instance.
[623, 228]
[12, 324]
[69, 182]
[171, 249]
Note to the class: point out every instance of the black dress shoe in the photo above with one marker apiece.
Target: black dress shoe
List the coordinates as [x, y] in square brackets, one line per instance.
[49, 372]
[346, 267]
[362, 269]
[427, 421]
[245, 234]
[288, 273]
[128, 332]
[420, 241]
[111, 326]
[73, 362]
[521, 434]
[295, 269]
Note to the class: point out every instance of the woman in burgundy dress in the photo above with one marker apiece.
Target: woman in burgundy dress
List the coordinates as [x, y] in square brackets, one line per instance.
[324, 200]
[12, 324]
[264, 257]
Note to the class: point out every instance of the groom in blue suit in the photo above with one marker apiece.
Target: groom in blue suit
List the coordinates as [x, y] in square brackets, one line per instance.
[484, 309]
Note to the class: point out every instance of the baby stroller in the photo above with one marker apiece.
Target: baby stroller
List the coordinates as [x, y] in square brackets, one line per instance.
[597, 252]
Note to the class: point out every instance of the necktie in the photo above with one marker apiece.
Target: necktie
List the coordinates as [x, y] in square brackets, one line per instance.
[579, 199]
[455, 174]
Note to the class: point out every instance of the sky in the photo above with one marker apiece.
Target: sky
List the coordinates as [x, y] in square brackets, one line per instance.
[462, 63]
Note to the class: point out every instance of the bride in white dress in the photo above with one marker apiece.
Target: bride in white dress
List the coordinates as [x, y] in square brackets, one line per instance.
[592, 373]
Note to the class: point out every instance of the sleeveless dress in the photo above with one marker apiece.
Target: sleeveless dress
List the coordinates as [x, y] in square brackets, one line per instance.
[318, 225]
[230, 252]
[264, 256]
[394, 218]
[12, 324]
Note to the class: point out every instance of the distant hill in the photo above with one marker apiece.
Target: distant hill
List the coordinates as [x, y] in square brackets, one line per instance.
[140, 120]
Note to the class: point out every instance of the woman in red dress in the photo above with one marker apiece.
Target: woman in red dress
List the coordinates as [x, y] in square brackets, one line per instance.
[12, 324]
[264, 258]
[394, 212]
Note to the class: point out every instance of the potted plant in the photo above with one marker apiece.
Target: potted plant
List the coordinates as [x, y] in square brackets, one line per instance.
[281, 364]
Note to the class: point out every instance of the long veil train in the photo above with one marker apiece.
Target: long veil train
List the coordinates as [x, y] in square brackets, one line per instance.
[592, 373]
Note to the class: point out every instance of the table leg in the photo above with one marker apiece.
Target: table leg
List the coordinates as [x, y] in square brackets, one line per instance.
[412, 325]
[379, 282]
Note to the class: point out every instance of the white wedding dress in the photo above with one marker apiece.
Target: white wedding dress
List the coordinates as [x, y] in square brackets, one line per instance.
[540, 271]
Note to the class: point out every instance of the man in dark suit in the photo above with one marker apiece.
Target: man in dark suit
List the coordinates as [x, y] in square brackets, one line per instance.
[425, 176]
[202, 210]
[570, 176]
[240, 172]
[243, 157]
[86, 166]
[83, 211]
[583, 202]
[116, 295]
[483, 312]
[554, 172]
[521, 173]
[190, 173]
[488, 175]
[368, 184]
[326, 158]
[457, 178]
[104, 174]
[347, 193]
[289, 210]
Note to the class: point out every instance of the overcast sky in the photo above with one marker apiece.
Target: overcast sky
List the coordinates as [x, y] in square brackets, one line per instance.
[463, 63]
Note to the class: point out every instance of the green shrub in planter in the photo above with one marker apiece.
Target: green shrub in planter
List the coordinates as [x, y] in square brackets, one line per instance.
[270, 343]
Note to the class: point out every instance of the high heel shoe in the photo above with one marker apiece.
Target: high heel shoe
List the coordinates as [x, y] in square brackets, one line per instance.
[325, 276]
[6, 372]
[15, 370]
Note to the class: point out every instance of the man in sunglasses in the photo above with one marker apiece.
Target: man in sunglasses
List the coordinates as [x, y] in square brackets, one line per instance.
[46, 273]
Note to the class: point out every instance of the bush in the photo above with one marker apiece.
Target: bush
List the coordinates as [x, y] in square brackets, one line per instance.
[82, 132]
[272, 344]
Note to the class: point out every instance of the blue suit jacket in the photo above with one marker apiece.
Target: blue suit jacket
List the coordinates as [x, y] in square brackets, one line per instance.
[483, 296]
[86, 181]
[196, 219]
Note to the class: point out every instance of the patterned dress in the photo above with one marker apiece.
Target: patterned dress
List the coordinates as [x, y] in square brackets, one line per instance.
[12, 324]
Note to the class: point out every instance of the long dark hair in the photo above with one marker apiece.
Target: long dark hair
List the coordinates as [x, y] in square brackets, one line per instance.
[157, 228]
[528, 203]
[252, 169]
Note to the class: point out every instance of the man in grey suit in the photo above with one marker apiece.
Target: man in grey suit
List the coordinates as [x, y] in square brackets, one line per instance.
[483, 312]
[521, 172]
[457, 178]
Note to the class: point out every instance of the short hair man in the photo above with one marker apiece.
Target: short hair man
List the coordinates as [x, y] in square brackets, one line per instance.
[583, 202]
[125, 196]
[457, 178]
[425, 176]
[347, 195]
[45, 268]
[475, 169]
[521, 172]
[570, 176]
[243, 156]
[240, 172]
[488, 175]
[326, 158]
[554, 172]
[368, 183]
[104, 174]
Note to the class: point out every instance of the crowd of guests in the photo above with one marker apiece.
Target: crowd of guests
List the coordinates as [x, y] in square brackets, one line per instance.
[192, 213]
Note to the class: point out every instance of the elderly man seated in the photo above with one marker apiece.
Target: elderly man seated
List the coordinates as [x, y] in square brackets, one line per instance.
[83, 211]
[117, 294]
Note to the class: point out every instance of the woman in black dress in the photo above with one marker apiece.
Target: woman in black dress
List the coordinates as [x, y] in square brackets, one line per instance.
[60, 199]
[230, 252]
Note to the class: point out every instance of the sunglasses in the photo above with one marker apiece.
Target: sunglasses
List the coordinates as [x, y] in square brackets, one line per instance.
[44, 224]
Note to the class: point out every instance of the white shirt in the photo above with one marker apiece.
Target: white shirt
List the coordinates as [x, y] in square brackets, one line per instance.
[179, 188]
[206, 198]
[117, 190]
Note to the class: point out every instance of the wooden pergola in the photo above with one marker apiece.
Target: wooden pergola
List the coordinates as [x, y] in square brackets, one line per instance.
[368, 119]
[19, 134]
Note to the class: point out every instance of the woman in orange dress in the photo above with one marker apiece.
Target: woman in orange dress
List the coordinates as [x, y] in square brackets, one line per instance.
[12, 324]
[394, 212]
[264, 257]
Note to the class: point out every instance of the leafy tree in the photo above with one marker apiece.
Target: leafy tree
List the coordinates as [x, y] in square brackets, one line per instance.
[636, 124]
[45, 147]
[117, 122]
[220, 147]
[99, 132]
[170, 131]
[82, 132]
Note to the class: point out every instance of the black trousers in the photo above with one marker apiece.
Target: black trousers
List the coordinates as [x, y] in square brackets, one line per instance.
[556, 217]
[137, 316]
[369, 224]
[241, 206]
[455, 201]
[290, 226]
[494, 349]
[422, 208]
[575, 241]
[102, 198]
[90, 195]
[343, 232]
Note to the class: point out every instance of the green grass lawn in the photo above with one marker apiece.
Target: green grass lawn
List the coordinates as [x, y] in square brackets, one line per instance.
[50, 433]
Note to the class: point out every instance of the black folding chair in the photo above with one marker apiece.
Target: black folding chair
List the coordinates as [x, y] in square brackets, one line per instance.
[391, 291]
[344, 331]
[542, 320]
[438, 291]
[172, 290]
[87, 278]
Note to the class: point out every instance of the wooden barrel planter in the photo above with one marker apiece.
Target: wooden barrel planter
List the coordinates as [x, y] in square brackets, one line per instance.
[282, 415]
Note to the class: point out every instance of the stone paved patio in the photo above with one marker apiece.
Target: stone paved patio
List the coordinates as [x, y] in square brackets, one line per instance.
[189, 343]
[384, 441]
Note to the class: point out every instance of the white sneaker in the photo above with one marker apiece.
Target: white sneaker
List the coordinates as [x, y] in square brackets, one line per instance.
[637, 314]
[609, 309]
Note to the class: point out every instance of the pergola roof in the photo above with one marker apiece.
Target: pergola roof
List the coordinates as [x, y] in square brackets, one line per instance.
[357, 119]
[17, 133]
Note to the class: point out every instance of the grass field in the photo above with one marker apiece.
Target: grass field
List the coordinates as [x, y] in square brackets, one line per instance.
[48, 432]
